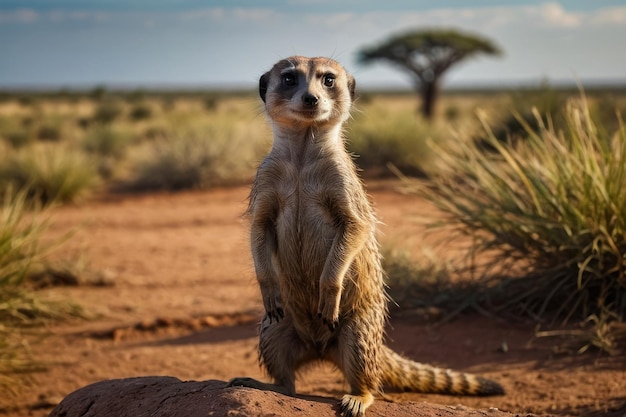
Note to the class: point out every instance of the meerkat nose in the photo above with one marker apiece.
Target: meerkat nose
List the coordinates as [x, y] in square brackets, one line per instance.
[309, 99]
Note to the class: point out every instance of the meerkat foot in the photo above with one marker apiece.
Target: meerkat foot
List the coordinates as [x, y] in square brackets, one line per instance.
[253, 383]
[355, 405]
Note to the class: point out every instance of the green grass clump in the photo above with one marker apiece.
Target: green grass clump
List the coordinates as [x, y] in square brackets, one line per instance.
[554, 206]
[21, 228]
[19, 239]
[49, 173]
[19, 250]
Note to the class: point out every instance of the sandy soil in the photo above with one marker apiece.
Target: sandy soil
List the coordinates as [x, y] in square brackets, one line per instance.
[184, 303]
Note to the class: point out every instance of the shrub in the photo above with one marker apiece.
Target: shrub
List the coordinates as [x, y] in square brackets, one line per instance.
[50, 129]
[390, 138]
[49, 173]
[140, 111]
[26, 100]
[452, 113]
[211, 103]
[555, 207]
[187, 162]
[83, 122]
[98, 92]
[108, 110]
[108, 145]
[107, 141]
[14, 133]
[549, 104]
[156, 131]
[424, 283]
[19, 138]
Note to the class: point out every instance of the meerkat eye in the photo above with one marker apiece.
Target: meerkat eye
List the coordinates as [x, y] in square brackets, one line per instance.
[329, 80]
[289, 80]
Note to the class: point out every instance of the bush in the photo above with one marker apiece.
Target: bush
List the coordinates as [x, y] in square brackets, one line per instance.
[108, 110]
[549, 103]
[210, 103]
[20, 138]
[107, 141]
[187, 162]
[14, 133]
[50, 129]
[98, 92]
[49, 173]
[553, 205]
[140, 111]
[391, 138]
[414, 284]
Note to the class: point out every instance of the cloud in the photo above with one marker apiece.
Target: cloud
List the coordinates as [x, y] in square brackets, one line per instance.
[78, 16]
[254, 15]
[29, 16]
[554, 15]
[19, 16]
[234, 15]
[547, 15]
[610, 16]
[214, 13]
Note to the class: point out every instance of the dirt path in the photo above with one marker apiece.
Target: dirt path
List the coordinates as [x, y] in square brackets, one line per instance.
[182, 270]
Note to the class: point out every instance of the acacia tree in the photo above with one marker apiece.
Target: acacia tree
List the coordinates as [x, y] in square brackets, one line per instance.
[427, 55]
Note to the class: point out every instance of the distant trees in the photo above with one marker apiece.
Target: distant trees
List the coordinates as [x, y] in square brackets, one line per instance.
[427, 55]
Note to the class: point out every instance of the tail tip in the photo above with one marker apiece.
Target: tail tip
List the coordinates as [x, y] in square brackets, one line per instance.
[489, 387]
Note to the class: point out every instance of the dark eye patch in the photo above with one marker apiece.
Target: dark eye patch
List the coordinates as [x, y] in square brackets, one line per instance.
[289, 79]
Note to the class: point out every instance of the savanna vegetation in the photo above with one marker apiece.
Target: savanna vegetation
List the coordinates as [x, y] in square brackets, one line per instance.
[535, 177]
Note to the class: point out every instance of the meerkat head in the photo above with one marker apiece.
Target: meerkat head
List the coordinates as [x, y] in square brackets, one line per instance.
[305, 91]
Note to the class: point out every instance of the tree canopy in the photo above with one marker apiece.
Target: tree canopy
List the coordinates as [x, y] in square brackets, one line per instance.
[427, 55]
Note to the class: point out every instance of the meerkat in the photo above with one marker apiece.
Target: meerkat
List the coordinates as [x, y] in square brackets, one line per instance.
[316, 256]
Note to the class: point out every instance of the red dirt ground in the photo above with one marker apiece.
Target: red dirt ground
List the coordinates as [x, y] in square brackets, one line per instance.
[185, 302]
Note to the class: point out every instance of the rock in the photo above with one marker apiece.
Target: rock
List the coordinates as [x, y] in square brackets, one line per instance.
[170, 397]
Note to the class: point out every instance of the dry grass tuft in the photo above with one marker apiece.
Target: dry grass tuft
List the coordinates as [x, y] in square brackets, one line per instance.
[553, 205]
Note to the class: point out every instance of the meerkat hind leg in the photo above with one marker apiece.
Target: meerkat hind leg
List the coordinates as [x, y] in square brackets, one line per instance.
[355, 405]
[253, 383]
[281, 353]
[358, 364]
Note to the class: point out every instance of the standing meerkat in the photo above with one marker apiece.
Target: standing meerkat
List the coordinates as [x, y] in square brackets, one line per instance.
[315, 252]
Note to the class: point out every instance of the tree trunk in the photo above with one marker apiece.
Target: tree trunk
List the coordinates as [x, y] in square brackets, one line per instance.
[429, 92]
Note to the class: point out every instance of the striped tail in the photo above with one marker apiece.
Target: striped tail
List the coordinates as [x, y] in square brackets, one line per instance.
[405, 375]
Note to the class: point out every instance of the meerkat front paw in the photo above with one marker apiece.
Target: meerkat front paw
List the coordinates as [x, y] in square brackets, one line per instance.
[273, 306]
[328, 306]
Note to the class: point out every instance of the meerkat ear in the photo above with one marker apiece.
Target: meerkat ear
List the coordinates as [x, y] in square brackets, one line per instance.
[263, 81]
[352, 87]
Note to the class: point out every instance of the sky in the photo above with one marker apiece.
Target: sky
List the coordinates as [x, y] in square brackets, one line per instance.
[230, 43]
